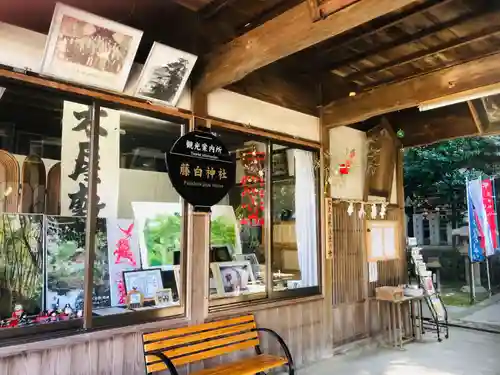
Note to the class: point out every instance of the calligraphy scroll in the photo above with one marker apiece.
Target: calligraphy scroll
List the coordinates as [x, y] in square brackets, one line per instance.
[75, 154]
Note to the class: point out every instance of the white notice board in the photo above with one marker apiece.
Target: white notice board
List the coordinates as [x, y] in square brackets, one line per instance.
[382, 240]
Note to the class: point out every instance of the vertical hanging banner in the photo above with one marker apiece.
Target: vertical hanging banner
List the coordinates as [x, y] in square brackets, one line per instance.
[476, 235]
[75, 154]
[329, 228]
[489, 206]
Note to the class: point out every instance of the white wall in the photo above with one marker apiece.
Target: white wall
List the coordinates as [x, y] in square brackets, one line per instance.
[235, 107]
[351, 186]
[22, 48]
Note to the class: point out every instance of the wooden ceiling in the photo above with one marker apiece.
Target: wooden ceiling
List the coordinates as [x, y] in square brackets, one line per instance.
[351, 59]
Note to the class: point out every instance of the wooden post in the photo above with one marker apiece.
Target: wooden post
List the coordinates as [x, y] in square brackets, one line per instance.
[91, 219]
[327, 270]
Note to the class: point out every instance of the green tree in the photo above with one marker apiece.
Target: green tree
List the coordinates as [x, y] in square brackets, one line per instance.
[439, 171]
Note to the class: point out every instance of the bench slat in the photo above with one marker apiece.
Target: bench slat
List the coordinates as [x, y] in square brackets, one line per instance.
[160, 366]
[188, 339]
[205, 346]
[168, 334]
[247, 366]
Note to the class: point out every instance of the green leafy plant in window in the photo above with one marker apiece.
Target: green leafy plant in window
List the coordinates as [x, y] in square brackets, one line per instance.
[162, 236]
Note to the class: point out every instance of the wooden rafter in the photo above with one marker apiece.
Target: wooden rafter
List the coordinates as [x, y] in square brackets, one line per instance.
[284, 35]
[388, 23]
[379, 49]
[456, 81]
[493, 30]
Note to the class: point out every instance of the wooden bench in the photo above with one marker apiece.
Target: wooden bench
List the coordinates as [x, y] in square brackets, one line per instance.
[166, 350]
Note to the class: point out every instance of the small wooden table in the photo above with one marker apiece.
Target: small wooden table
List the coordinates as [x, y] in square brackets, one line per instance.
[395, 326]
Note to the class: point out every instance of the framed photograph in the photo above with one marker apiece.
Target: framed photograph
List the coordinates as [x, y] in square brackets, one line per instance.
[88, 49]
[165, 74]
[163, 297]
[280, 163]
[177, 276]
[148, 282]
[135, 299]
[220, 253]
[233, 278]
[252, 258]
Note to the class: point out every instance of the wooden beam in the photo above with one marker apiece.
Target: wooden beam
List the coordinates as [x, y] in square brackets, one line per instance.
[273, 86]
[284, 35]
[475, 117]
[328, 7]
[456, 81]
[314, 9]
[193, 5]
[422, 128]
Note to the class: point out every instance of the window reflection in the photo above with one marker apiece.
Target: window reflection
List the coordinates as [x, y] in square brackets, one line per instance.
[237, 235]
[295, 243]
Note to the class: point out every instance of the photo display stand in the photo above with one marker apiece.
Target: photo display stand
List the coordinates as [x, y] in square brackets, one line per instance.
[417, 269]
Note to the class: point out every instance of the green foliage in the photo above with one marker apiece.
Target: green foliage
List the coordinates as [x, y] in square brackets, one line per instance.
[162, 235]
[222, 232]
[440, 170]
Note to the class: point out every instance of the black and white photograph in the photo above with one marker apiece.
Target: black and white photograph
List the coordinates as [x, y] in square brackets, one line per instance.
[163, 297]
[254, 262]
[89, 49]
[165, 74]
[234, 277]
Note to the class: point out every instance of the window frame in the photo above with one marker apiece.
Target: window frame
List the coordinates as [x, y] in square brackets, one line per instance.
[269, 139]
[11, 336]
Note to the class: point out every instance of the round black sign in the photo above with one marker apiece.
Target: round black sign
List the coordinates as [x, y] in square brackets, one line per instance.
[201, 169]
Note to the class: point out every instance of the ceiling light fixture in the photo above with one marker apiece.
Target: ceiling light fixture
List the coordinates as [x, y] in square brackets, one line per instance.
[459, 98]
[352, 93]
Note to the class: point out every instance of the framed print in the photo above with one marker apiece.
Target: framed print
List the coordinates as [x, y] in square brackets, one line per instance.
[221, 253]
[145, 281]
[252, 258]
[88, 49]
[233, 278]
[135, 299]
[163, 297]
[165, 74]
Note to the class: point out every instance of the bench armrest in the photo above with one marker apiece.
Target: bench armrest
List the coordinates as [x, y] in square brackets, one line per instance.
[167, 361]
[282, 343]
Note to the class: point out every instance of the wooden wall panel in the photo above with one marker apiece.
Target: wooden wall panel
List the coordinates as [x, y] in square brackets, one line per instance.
[348, 256]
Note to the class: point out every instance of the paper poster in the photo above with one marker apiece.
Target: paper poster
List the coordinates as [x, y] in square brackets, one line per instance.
[123, 255]
[75, 153]
[65, 243]
[159, 231]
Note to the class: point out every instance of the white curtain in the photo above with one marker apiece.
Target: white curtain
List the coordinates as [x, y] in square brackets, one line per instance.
[306, 218]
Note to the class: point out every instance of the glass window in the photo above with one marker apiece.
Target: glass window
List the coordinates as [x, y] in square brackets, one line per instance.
[141, 219]
[237, 233]
[270, 221]
[42, 245]
[294, 209]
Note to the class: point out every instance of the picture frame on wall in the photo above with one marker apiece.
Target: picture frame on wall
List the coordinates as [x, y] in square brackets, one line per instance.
[88, 49]
[165, 74]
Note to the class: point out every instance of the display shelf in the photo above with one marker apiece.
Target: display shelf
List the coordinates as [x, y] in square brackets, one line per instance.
[417, 270]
